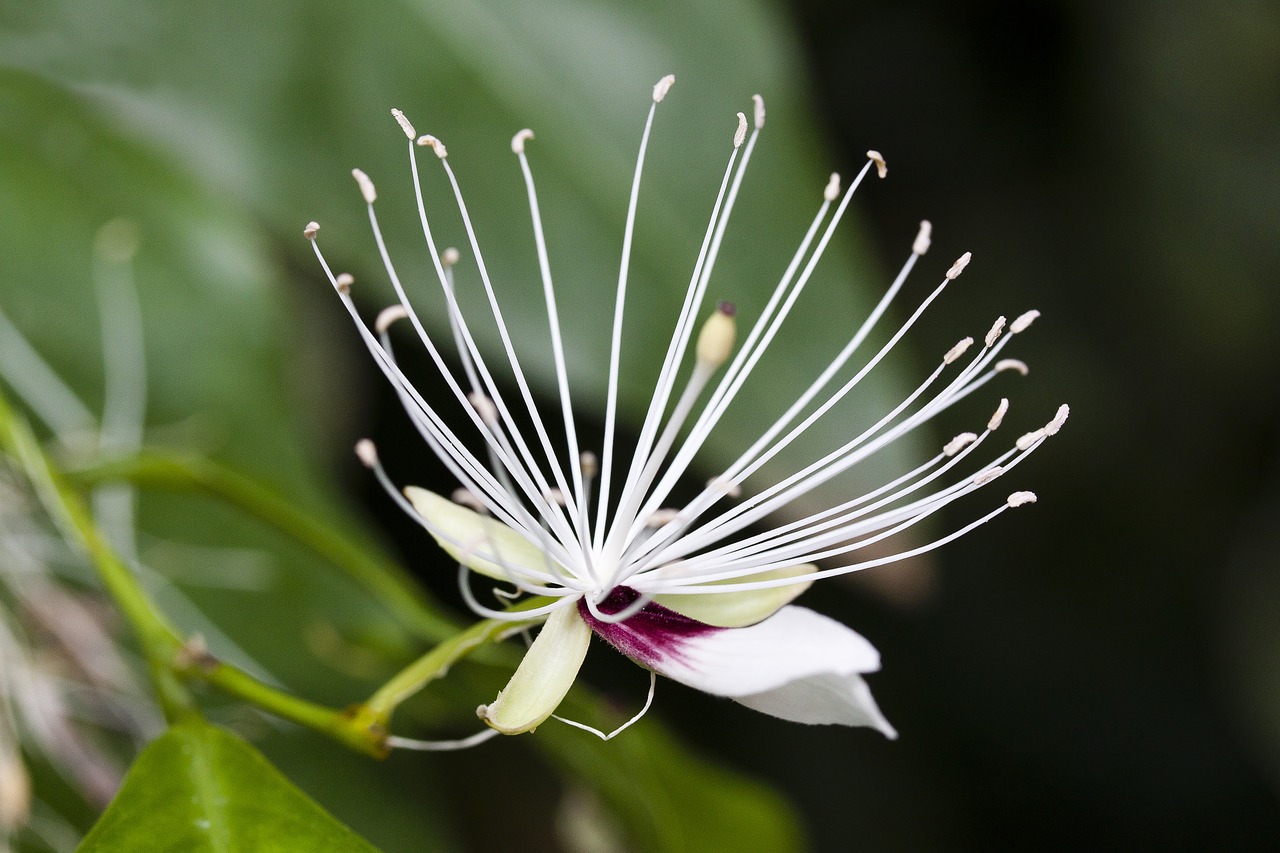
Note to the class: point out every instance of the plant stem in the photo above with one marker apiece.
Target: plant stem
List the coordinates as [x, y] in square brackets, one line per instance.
[399, 593]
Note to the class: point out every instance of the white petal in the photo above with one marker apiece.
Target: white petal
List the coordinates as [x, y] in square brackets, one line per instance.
[736, 609]
[480, 543]
[543, 677]
[797, 664]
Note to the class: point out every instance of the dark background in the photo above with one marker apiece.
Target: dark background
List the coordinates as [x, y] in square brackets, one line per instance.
[1102, 672]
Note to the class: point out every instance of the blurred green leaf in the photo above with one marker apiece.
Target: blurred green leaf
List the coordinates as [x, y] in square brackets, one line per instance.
[200, 788]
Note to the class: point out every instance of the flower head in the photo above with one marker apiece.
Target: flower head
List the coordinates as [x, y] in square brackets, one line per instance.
[699, 593]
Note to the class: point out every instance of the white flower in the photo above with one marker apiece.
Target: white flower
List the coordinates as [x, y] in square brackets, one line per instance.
[700, 594]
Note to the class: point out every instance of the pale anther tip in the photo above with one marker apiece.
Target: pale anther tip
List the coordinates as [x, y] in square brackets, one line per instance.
[1030, 438]
[1024, 321]
[832, 190]
[984, 477]
[661, 88]
[590, 464]
[450, 257]
[998, 417]
[759, 111]
[387, 316]
[715, 341]
[518, 141]
[882, 168]
[740, 135]
[343, 281]
[404, 124]
[429, 141]
[311, 230]
[1020, 498]
[959, 265]
[1012, 364]
[924, 238]
[957, 350]
[1059, 419]
[960, 442]
[484, 407]
[366, 186]
[367, 453]
[996, 330]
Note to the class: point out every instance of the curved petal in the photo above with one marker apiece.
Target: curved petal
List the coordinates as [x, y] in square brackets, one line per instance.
[477, 541]
[797, 664]
[543, 677]
[737, 609]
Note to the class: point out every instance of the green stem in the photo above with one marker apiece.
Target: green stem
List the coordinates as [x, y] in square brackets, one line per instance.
[383, 578]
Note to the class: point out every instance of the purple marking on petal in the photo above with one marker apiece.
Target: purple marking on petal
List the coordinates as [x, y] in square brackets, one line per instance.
[649, 637]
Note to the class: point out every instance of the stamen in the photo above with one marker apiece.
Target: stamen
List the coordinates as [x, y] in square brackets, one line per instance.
[366, 186]
[1011, 364]
[429, 141]
[996, 331]
[959, 265]
[397, 742]
[759, 111]
[661, 517]
[450, 257]
[484, 407]
[882, 168]
[715, 341]
[998, 417]
[311, 230]
[832, 191]
[728, 488]
[1030, 438]
[740, 136]
[518, 141]
[404, 124]
[924, 238]
[1020, 498]
[984, 477]
[661, 88]
[958, 443]
[389, 315]
[468, 499]
[590, 465]
[956, 351]
[342, 283]
[367, 452]
[1024, 322]
[1058, 420]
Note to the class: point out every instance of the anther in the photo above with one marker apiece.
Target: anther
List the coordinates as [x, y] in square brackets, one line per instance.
[957, 351]
[429, 141]
[740, 136]
[661, 517]
[998, 417]
[467, 498]
[996, 330]
[484, 408]
[343, 282]
[367, 453]
[959, 265]
[1023, 322]
[661, 88]
[832, 191]
[311, 230]
[1020, 498]
[555, 496]
[715, 341]
[387, 316]
[404, 124]
[984, 477]
[590, 464]
[960, 442]
[449, 257]
[518, 141]
[924, 238]
[1012, 364]
[1059, 419]
[725, 487]
[882, 168]
[366, 186]
[1030, 438]
[759, 111]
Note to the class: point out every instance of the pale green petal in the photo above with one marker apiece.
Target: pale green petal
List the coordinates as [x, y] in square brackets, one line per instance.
[543, 677]
[738, 609]
[476, 540]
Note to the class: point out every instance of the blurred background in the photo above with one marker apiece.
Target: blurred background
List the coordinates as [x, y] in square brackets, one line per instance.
[1101, 671]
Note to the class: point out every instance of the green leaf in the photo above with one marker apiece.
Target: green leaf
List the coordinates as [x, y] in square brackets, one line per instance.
[199, 788]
